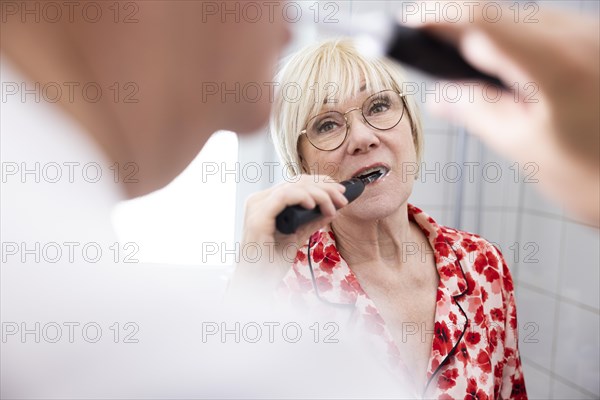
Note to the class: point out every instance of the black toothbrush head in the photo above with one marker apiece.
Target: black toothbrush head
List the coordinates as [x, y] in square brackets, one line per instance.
[371, 177]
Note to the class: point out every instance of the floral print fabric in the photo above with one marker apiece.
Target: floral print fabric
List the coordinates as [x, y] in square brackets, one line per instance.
[474, 352]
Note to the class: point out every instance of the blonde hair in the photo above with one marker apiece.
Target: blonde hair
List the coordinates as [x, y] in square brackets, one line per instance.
[324, 73]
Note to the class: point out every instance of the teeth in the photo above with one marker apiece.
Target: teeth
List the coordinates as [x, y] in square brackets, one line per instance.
[372, 174]
[381, 169]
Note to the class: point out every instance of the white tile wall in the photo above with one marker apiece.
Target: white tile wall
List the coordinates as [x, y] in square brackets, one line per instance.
[500, 181]
[499, 227]
[538, 382]
[472, 190]
[469, 221]
[430, 188]
[563, 391]
[539, 245]
[535, 315]
[580, 265]
[536, 202]
[577, 357]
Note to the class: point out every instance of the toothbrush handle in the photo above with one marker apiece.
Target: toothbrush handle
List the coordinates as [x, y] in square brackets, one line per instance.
[292, 217]
[426, 52]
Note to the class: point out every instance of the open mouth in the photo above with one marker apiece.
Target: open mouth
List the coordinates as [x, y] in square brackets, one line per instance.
[370, 175]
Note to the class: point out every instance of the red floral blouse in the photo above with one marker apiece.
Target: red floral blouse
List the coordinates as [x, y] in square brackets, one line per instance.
[474, 352]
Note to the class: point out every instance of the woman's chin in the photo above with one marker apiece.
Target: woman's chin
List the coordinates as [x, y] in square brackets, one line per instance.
[373, 210]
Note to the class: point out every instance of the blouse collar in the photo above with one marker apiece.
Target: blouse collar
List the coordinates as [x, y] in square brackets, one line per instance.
[329, 267]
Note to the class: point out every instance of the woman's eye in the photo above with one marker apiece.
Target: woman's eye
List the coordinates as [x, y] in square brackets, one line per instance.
[379, 107]
[326, 126]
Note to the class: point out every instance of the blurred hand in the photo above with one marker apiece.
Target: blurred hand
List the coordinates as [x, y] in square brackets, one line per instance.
[558, 126]
[266, 254]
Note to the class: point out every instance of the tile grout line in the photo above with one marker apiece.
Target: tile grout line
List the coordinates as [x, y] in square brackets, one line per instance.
[557, 304]
[559, 297]
[519, 228]
[559, 378]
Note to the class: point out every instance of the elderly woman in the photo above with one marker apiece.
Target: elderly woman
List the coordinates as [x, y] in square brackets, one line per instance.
[439, 301]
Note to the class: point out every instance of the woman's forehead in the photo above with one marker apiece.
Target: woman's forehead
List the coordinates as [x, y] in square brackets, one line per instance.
[355, 99]
[349, 89]
[331, 99]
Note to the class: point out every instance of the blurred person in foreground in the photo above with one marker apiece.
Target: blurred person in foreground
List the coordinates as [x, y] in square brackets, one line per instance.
[436, 304]
[78, 320]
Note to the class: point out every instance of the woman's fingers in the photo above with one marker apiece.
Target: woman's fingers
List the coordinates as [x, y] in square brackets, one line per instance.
[329, 199]
[309, 192]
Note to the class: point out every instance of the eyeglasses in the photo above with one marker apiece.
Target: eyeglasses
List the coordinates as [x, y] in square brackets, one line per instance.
[328, 131]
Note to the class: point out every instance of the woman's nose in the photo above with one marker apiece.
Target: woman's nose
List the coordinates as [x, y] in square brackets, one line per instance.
[362, 137]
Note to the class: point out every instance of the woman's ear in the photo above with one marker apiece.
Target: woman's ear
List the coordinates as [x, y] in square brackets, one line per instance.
[303, 165]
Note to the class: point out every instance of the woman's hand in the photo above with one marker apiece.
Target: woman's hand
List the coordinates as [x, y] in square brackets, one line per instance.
[266, 254]
[550, 119]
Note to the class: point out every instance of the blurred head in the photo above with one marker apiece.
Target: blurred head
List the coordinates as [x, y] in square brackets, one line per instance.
[381, 128]
[194, 66]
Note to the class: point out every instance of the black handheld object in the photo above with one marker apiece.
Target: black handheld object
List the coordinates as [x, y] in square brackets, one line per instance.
[423, 51]
[292, 217]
